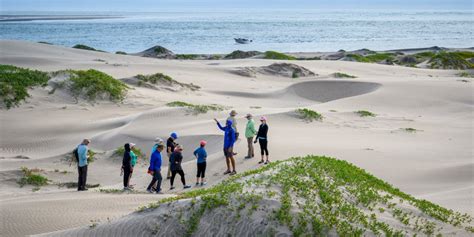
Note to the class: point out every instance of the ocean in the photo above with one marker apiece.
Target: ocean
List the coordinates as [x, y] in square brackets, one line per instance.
[286, 31]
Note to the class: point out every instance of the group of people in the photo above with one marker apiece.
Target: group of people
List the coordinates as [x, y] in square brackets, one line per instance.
[175, 156]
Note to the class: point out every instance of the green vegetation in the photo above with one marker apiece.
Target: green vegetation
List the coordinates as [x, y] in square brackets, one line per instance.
[187, 56]
[343, 75]
[15, 81]
[121, 52]
[160, 78]
[44, 42]
[238, 54]
[365, 113]
[118, 191]
[411, 130]
[161, 50]
[85, 47]
[278, 56]
[93, 83]
[30, 177]
[451, 60]
[465, 74]
[309, 115]
[295, 74]
[372, 58]
[197, 109]
[317, 195]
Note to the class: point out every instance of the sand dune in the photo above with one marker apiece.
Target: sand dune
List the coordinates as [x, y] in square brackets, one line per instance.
[435, 162]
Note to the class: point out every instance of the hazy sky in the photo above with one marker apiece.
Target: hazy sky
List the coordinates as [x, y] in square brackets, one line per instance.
[158, 5]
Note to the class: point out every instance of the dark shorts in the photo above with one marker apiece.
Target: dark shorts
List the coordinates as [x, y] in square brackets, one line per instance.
[228, 152]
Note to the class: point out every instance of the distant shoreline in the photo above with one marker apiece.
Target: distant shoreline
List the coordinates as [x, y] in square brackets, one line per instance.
[20, 18]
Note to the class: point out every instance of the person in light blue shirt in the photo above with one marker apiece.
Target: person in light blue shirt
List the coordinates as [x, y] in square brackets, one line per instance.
[82, 150]
[201, 155]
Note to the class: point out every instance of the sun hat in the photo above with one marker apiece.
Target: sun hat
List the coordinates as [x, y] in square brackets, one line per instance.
[158, 139]
[248, 116]
[174, 135]
[132, 144]
[202, 142]
[263, 118]
[233, 113]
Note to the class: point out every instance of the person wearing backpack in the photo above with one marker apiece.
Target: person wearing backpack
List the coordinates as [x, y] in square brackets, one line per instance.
[81, 157]
[126, 166]
[155, 169]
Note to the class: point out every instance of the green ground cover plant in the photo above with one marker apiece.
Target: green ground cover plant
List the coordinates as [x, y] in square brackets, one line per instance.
[309, 115]
[343, 75]
[277, 56]
[197, 109]
[93, 83]
[365, 113]
[15, 82]
[32, 177]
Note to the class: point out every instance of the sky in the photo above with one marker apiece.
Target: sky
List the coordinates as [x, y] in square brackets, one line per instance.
[161, 5]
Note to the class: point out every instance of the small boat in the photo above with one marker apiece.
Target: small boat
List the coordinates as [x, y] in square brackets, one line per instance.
[242, 40]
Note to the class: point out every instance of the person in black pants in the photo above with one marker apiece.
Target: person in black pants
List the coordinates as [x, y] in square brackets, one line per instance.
[263, 140]
[175, 166]
[126, 166]
[81, 156]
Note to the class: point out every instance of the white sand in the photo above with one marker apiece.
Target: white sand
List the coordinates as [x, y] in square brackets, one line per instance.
[435, 163]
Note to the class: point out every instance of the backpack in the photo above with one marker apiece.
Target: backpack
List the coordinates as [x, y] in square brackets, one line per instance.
[76, 154]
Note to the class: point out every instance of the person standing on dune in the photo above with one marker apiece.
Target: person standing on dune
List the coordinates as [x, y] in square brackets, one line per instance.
[134, 161]
[229, 140]
[176, 168]
[155, 169]
[126, 167]
[231, 117]
[262, 139]
[170, 145]
[81, 155]
[250, 132]
[201, 154]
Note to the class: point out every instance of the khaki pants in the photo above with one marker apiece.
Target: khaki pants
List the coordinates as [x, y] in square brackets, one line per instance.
[250, 147]
[169, 166]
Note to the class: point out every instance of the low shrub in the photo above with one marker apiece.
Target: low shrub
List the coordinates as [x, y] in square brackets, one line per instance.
[451, 60]
[15, 82]
[309, 115]
[85, 47]
[31, 178]
[197, 109]
[93, 83]
[343, 75]
[278, 56]
[121, 52]
[187, 56]
[365, 113]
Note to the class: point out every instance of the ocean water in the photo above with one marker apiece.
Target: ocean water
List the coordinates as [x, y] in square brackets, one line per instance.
[287, 31]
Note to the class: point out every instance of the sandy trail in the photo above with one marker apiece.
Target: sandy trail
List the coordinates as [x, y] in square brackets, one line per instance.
[433, 163]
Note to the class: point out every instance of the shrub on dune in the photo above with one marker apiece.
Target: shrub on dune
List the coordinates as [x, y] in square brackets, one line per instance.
[197, 109]
[309, 115]
[451, 60]
[15, 82]
[365, 113]
[343, 75]
[93, 84]
[310, 196]
[30, 177]
[278, 56]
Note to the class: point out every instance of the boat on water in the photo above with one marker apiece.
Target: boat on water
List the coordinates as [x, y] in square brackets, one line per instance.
[242, 40]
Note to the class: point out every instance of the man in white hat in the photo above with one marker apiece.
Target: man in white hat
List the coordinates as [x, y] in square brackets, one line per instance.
[231, 117]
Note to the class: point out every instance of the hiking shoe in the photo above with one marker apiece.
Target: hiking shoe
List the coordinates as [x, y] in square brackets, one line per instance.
[202, 184]
[227, 172]
[196, 184]
[260, 162]
[266, 162]
[233, 172]
[172, 187]
[159, 192]
[149, 190]
[187, 186]
[248, 157]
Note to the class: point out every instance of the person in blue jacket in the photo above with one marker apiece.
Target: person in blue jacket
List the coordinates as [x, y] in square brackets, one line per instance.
[229, 140]
[155, 169]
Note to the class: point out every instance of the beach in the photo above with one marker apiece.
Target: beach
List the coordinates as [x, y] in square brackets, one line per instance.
[420, 138]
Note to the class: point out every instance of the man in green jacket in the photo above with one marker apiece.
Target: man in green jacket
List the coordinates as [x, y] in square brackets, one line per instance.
[250, 132]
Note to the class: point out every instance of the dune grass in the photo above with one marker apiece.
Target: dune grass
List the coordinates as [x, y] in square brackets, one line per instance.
[93, 83]
[155, 78]
[197, 109]
[372, 58]
[343, 75]
[410, 130]
[318, 195]
[277, 56]
[15, 82]
[121, 52]
[365, 113]
[451, 60]
[187, 56]
[31, 177]
[465, 74]
[85, 47]
[309, 115]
